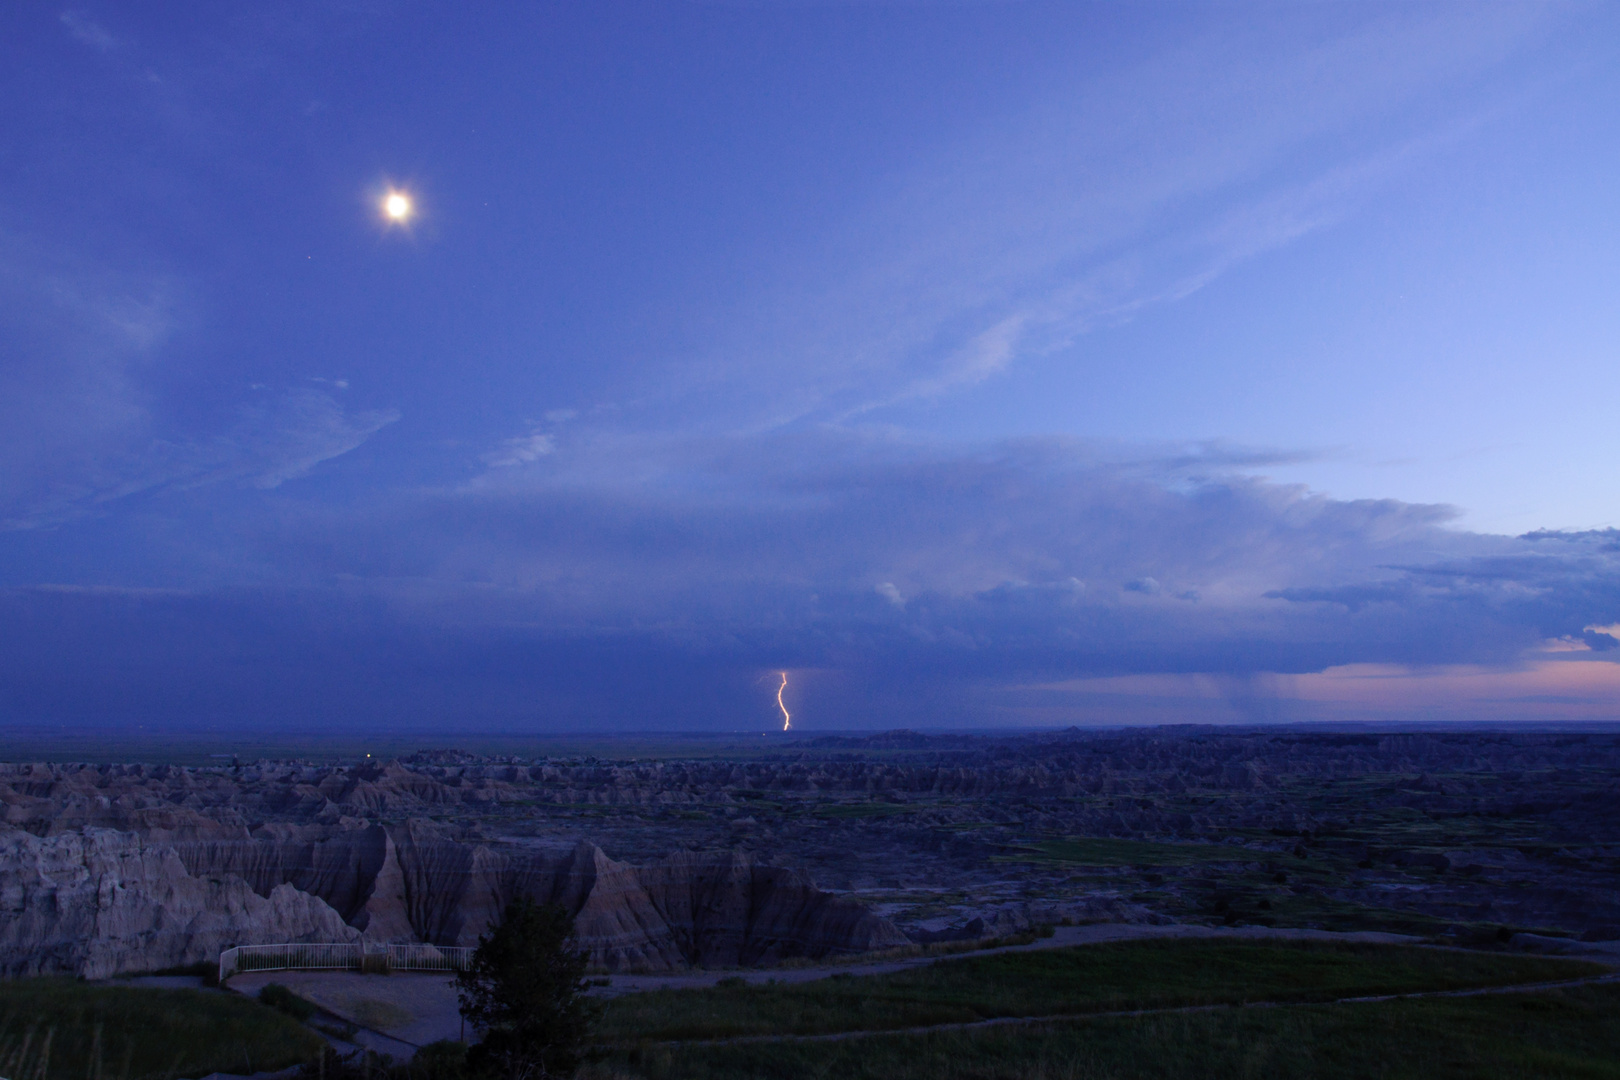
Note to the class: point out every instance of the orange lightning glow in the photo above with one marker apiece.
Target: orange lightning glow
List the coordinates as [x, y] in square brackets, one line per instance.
[787, 721]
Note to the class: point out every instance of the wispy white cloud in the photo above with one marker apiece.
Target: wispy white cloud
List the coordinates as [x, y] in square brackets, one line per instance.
[283, 441]
[1110, 194]
[81, 337]
[88, 30]
[79, 423]
[270, 444]
[520, 450]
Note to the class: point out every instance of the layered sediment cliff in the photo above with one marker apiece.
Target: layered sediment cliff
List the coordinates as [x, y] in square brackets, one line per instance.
[97, 902]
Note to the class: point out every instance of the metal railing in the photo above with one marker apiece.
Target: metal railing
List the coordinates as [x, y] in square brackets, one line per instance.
[342, 956]
[429, 957]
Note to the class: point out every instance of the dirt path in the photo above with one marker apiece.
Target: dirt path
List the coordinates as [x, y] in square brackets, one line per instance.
[1004, 1021]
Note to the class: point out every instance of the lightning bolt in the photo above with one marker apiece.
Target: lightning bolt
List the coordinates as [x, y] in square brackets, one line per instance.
[787, 721]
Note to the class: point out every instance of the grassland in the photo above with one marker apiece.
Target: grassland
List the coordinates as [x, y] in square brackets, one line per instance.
[62, 1029]
[1093, 978]
[1565, 1035]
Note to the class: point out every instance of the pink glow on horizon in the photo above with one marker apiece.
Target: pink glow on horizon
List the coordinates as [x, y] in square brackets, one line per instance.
[1543, 688]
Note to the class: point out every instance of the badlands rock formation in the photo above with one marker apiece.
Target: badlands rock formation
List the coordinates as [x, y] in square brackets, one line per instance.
[415, 882]
[1449, 833]
[98, 902]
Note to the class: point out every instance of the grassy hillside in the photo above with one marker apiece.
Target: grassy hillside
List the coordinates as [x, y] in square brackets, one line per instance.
[1573, 1032]
[1567, 1035]
[1090, 978]
[62, 1029]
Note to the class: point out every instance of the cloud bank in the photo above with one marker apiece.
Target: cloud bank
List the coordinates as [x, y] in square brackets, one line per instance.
[905, 581]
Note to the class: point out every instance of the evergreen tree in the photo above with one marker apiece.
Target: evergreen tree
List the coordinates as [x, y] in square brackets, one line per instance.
[525, 995]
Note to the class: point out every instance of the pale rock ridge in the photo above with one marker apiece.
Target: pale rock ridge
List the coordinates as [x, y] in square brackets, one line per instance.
[340, 867]
[99, 902]
[412, 882]
[615, 918]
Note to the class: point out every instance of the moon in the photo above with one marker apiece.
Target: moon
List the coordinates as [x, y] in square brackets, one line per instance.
[397, 206]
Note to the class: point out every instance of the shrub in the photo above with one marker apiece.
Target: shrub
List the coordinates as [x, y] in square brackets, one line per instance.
[279, 997]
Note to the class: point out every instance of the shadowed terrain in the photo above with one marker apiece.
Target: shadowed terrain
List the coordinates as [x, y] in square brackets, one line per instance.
[822, 845]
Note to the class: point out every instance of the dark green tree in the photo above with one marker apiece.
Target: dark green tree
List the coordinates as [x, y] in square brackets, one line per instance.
[524, 993]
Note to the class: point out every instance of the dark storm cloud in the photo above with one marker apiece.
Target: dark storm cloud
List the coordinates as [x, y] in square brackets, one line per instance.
[652, 585]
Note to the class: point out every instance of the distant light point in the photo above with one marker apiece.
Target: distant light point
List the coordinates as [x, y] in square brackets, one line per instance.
[397, 206]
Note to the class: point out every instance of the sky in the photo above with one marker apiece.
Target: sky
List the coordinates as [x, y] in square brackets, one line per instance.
[969, 364]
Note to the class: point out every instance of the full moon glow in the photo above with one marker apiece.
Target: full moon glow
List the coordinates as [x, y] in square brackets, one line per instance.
[397, 206]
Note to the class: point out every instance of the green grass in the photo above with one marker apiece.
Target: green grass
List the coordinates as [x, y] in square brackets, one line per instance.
[1091, 978]
[62, 1029]
[1563, 1035]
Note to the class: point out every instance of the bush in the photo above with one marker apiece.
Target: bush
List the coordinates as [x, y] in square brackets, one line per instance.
[279, 997]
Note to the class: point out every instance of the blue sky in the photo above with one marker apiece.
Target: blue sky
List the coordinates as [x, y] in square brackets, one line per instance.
[975, 364]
